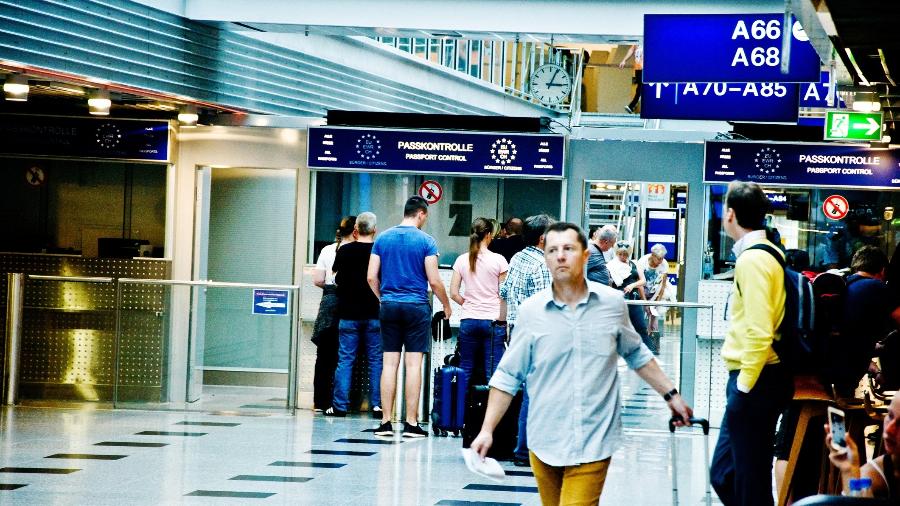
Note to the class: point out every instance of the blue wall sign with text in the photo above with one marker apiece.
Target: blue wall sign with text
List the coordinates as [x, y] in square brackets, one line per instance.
[817, 94]
[787, 164]
[436, 152]
[772, 102]
[113, 139]
[270, 302]
[724, 48]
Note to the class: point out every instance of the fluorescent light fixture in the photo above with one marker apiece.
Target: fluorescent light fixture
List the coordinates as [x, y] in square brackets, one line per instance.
[99, 103]
[188, 116]
[16, 88]
[866, 101]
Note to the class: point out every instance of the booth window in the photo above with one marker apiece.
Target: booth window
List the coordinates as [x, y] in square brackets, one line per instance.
[798, 219]
[82, 208]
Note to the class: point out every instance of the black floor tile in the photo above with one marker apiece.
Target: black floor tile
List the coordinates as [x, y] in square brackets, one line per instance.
[276, 399]
[326, 465]
[285, 479]
[169, 433]
[513, 472]
[368, 441]
[228, 493]
[11, 486]
[342, 452]
[451, 502]
[131, 444]
[265, 406]
[85, 456]
[38, 470]
[500, 488]
[210, 424]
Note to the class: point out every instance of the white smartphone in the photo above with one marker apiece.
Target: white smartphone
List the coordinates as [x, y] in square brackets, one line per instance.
[838, 428]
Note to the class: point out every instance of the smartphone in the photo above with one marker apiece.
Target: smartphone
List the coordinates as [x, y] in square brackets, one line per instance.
[838, 428]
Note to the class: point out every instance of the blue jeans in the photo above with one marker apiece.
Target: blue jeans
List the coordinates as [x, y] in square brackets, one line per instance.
[479, 337]
[349, 334]
[521, 452]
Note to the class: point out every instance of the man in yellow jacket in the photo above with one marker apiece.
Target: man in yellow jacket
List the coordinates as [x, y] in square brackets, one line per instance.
[759, 387]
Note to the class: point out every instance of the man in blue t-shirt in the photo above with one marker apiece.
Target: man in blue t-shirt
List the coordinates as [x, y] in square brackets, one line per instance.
[403, 264]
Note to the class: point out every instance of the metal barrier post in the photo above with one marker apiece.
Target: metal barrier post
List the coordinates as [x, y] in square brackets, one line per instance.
[15, 300]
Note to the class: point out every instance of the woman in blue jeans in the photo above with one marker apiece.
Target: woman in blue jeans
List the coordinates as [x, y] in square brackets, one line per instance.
[482, 330]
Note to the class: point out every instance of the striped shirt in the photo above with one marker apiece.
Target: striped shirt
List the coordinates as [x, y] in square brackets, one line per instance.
[527, 275]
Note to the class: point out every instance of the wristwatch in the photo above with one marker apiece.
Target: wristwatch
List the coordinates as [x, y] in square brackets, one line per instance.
[671, 393]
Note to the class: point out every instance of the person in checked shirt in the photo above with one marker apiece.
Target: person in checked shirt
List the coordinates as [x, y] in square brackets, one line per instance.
[565, 346]
[527, 276]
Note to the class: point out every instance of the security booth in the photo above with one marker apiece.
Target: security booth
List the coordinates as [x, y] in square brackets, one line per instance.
[462, 174]
[85, 201]
[827, 201]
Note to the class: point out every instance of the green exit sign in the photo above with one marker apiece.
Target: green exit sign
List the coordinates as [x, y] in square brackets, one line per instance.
[853, 126]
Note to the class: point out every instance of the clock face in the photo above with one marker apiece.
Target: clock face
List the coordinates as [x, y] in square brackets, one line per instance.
[550, 84]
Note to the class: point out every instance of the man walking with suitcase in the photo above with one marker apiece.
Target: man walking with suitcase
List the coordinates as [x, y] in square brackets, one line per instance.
[759, 386]
[404, 263]
[565, 346]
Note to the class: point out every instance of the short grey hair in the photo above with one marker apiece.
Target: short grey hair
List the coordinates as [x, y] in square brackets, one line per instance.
[365, 223]
[657, 249]
[608, 233]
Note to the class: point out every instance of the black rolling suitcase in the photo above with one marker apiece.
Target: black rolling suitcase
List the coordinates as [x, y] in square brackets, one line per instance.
[449, 385]
[506, 433]
[704, 424]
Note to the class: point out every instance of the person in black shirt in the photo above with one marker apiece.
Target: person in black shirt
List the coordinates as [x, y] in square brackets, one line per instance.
[358, 313]
[512, 243]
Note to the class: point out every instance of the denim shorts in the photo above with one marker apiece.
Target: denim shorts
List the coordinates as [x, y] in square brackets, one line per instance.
[405, 324]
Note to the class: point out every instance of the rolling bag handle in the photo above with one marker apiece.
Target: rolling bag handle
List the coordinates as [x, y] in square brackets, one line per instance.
[702, 422]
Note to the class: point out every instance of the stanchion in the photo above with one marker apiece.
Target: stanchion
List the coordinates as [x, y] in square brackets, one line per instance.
[14, 303]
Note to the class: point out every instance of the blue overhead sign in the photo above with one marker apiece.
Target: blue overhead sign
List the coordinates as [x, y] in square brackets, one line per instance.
[786, 164]
[773, 102]
[818, 94]
[436, 152]
[111, 139]
[682, 48]
[270, 302]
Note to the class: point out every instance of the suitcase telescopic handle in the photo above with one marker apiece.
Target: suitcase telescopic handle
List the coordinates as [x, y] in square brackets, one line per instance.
[702, 422]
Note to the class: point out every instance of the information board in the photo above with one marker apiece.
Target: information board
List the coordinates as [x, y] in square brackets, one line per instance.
[853, 126]
[270, 302]
[436, 152]
[662, 228]
[712, 48]
[786, 164]
[762, 102]
[84, 137]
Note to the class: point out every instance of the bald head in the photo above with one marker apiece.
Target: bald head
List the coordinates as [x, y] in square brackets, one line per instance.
[513, 226]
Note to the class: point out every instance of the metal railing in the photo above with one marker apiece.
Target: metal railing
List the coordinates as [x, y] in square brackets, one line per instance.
[294, 310]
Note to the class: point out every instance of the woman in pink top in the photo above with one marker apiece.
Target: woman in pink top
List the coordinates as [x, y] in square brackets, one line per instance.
[482, 330]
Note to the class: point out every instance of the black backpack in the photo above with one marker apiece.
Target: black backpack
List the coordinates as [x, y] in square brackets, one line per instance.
[800, 346]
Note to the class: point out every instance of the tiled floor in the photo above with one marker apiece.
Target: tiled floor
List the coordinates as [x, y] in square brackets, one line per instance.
[74, 457]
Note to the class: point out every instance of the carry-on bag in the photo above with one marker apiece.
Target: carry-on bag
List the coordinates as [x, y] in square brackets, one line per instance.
[704, 424]
[447, 412]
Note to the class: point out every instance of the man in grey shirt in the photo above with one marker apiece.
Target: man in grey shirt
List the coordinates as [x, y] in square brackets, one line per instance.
[565, 348]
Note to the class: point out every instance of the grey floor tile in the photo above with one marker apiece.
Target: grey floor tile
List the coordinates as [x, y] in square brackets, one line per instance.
[256, 477]
[85, 456]
[231, 494]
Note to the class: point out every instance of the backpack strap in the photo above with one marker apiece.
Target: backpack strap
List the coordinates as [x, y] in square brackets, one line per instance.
[770, 250]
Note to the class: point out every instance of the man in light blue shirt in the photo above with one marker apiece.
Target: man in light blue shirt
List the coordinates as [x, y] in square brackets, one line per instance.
[565, 346]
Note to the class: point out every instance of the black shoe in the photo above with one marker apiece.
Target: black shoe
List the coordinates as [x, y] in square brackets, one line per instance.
[334, 412]
[377, 412]
[521, 462]
[629, 110]
[411, 431]
[385, 429]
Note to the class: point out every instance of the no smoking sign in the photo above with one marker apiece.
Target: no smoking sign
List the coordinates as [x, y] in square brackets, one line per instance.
[835, 207]
[431, 191]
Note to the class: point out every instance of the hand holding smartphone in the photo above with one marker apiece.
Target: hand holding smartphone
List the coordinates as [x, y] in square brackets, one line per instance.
[838, 429]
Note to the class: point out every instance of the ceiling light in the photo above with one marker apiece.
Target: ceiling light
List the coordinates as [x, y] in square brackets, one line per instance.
[866, 101]
[15, 89]
[188, 116]
[99, 103]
